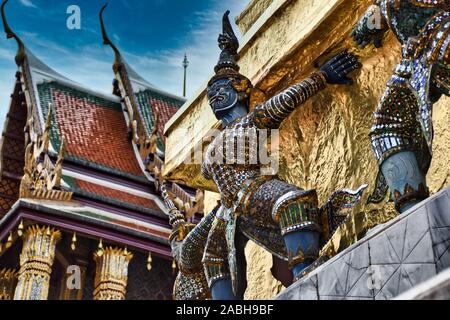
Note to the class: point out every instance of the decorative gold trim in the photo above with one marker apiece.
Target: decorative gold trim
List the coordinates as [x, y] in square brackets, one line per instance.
[42, 178]
[36, 260]
[111, 275]
[144, 140]
[107, 41]
[8, 280]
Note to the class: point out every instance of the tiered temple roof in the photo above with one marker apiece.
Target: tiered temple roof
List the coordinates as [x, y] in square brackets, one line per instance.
[87, 172]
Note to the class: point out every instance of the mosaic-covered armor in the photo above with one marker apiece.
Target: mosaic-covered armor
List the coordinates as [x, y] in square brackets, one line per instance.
[231, 179]
[191, 283]
[402, 133]
[284, 219]
[188, 242]
[405, 18]
[270, 114]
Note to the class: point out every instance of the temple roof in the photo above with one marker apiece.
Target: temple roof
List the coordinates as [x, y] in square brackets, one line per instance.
[151, 101]
[100, 163]
[12, 151]
[97, 145]
[95, 136]
[148, 100]
[79, 157]
[114, 194]
[93, 129]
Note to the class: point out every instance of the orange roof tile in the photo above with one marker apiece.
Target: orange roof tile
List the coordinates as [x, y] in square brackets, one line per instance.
[165, 111]
[116, 194]
[95, 132]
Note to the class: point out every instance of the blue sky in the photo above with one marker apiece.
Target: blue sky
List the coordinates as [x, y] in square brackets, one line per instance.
[153, 36]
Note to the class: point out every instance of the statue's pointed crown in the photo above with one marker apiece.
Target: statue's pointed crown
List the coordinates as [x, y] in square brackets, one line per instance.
[229, 45]
[227, 66]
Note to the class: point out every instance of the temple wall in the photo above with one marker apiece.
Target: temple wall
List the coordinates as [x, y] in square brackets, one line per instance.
[251, 13]
[324, 144]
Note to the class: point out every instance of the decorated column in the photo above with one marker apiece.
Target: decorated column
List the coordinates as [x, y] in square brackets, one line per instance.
[111, 273]
[8, 280]
[36, 260]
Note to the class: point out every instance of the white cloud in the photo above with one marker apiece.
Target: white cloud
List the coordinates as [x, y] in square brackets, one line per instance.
[164, 68]
[6, 54]
[49, 47]
[28, 3]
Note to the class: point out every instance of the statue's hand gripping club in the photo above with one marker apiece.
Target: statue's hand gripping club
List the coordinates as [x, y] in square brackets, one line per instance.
[336, 69]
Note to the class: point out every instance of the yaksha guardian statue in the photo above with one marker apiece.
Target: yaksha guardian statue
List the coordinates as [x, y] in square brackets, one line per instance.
[402, 133]
[281, 217]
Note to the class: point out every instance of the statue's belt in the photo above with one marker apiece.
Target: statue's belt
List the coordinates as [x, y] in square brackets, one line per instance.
[248, 188]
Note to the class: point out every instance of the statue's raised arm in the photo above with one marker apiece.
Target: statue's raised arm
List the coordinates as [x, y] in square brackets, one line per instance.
[335, 71]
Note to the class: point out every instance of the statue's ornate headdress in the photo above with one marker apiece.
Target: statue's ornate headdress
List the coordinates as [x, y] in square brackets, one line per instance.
[227, 66]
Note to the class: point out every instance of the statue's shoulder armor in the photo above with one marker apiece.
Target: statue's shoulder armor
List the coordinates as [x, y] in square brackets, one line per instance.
[406, 18]
[261, 120]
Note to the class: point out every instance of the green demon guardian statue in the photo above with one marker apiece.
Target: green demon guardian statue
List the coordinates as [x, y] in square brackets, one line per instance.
[282, 218]
[402, 133]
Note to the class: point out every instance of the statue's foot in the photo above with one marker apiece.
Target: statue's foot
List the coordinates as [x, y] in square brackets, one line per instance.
[405, 179]
[317, 263]
[335, 222]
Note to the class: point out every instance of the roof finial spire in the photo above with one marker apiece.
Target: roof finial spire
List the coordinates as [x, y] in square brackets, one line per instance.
[185, 65]
[10, 34]
[107, 41]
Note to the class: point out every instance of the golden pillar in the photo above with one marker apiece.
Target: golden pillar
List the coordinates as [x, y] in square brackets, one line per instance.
[8, 280]
[36, 260]
[111, 273]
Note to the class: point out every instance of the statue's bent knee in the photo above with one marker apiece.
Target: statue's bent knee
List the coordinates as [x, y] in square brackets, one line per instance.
[215, 258]
[296, 210]
[297, 215]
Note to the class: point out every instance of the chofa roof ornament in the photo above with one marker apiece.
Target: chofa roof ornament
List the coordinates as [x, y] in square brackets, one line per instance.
[10, 34]
[107, 41]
